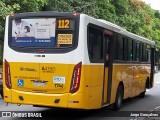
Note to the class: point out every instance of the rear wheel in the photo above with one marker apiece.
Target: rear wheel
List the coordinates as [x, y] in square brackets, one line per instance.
[142, 95]
[1, 94]
[119, 98]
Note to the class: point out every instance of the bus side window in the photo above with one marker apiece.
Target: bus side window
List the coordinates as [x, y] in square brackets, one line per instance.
[130, 50]
[119, 48]
[136, 55]
[90, 46]
[148, 53]
[144, 53]
[95, 44]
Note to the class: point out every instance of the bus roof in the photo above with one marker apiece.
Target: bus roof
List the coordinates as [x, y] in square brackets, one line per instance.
[121, 30]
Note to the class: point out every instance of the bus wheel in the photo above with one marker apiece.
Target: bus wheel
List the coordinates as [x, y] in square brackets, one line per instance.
[1, 94]
[142, 94]
[119, 98]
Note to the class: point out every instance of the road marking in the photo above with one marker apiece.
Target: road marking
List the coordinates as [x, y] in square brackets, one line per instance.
[157, 107]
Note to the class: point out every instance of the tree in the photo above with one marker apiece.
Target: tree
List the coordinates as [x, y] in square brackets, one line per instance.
[8, 7]
[101, 9]
[5, 10]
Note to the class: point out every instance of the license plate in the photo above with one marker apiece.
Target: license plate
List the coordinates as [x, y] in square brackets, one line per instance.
[38, 83]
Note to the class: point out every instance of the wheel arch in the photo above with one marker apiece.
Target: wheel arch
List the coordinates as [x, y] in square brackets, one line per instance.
[121, 84]
[147, 83]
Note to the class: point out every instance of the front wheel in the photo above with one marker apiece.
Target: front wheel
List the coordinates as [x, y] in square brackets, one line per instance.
[119, 98]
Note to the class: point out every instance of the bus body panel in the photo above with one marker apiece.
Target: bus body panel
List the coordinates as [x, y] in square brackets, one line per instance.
[42, 77]
[7, 94]
[133, 77]
[42, 96]
[96, 85]
[39, 98]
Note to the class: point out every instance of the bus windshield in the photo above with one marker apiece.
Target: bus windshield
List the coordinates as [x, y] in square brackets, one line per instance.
[43, 32]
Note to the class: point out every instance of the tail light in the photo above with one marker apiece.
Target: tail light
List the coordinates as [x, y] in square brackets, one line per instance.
[7, 75]
[75, 14]
[75, 83]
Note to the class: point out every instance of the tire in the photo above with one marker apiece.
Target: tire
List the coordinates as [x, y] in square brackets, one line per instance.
[1, 94]
[1, 90]
[142, 95]
[119, 98]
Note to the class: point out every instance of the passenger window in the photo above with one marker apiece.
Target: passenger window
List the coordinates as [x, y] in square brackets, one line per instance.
[119, 48]
[125, 42]
[130, 50]
[95, 44]
[144, 52]
[137, 52]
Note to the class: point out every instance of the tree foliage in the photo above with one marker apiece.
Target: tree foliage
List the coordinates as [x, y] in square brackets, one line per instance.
[133, 15]
[6, 10]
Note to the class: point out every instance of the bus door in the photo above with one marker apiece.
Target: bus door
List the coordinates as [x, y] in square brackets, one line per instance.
[108, 62]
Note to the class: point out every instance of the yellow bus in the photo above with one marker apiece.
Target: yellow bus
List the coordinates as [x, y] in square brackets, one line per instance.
[72, 60]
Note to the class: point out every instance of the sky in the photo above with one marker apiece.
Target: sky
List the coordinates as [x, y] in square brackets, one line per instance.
[155, 4]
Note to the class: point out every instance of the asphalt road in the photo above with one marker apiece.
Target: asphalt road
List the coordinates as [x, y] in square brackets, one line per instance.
[148, 105]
